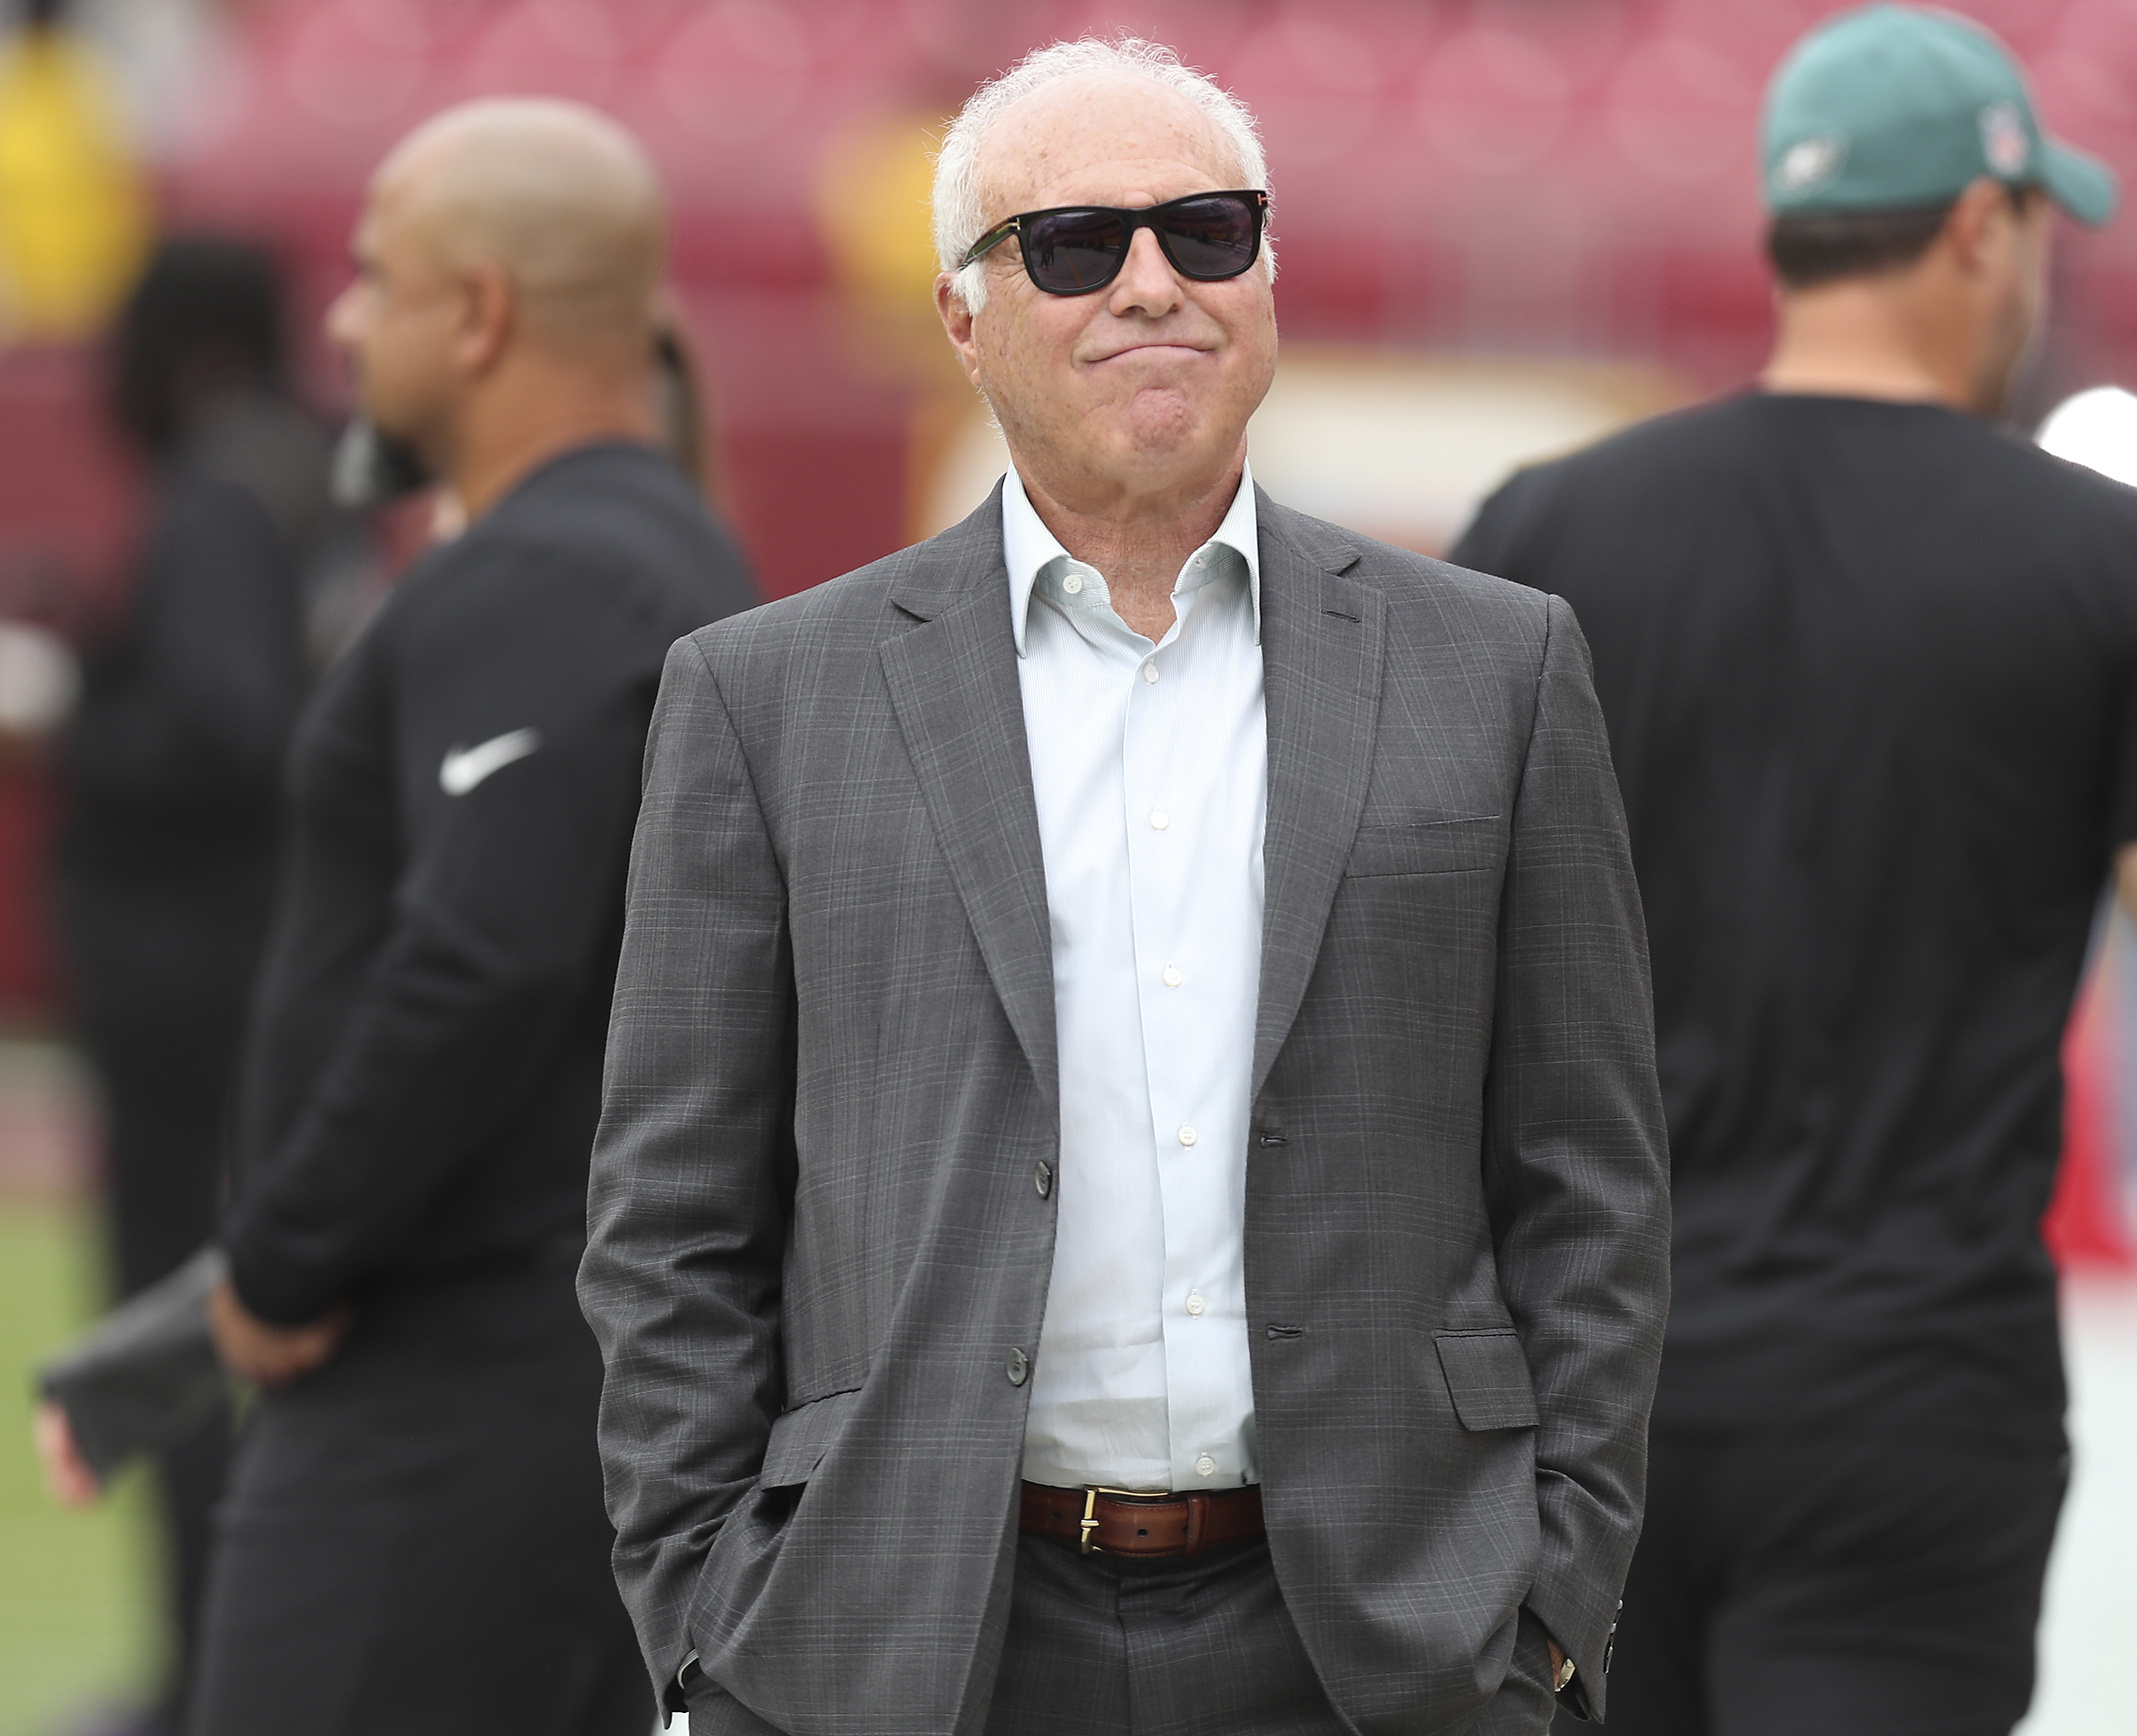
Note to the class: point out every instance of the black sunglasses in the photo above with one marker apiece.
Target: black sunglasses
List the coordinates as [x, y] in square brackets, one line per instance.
[1074, 249]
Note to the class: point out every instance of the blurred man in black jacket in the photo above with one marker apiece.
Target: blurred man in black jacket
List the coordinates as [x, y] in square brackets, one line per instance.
[415, 1539]
[1870, 670]
[171, 774]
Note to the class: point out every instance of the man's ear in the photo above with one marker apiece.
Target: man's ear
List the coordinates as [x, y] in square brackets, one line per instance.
[489, 316]
[957, 325]
[1979, 228]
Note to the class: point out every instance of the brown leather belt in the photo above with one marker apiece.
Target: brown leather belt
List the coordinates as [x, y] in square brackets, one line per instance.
[1119, 1523]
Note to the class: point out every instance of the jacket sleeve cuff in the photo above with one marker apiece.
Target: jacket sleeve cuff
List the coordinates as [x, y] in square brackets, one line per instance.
[1575, 1595]
[1590, 1652]
[1575, 1696]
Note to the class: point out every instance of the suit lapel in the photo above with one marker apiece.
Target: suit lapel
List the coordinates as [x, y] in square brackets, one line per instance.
[952, 673]
[1322, 649]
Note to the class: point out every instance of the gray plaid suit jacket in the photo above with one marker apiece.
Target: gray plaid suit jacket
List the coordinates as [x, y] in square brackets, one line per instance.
[817, 1252]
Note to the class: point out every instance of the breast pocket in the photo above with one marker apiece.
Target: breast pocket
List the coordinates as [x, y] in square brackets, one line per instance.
[1469, 844]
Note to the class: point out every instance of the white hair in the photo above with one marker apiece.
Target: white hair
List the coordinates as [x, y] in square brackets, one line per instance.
[960, 218]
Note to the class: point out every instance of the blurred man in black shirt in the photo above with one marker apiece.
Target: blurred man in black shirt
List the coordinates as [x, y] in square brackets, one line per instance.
[171, 774]
[1870, 669]
[415, 1540]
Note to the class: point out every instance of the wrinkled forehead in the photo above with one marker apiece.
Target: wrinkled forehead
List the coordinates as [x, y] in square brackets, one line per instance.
[1102, 138]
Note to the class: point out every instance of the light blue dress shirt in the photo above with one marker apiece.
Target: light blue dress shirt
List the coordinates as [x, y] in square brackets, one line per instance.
[1150, 763]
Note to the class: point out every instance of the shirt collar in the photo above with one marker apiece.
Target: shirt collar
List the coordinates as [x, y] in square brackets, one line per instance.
[1029, 547]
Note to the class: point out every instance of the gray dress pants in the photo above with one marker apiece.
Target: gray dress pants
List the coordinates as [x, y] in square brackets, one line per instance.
[1100, 1646]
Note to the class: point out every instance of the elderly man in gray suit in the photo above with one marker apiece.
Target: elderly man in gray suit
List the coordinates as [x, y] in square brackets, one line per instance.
[1131, 1197]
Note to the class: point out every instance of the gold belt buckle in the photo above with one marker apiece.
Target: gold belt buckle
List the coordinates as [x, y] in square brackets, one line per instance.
[1091, 1491]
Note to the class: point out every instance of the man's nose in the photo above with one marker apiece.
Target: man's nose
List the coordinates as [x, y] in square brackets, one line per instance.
[341, 319]
[1147, 284]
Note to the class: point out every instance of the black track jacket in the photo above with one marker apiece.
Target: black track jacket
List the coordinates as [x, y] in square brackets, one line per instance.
[424, 1071]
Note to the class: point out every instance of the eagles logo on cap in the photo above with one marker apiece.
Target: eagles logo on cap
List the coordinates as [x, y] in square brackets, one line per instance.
[1807, 165]
[2003, 141]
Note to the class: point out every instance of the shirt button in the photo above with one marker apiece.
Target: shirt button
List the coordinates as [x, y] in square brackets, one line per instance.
[1195, 1305]
[1206, 1466]
[1019, 1366]
[1173, 978]
[1042, 1177]
[1188, 1136]
[1160, 819]
[1150, 673]
[1073, 584]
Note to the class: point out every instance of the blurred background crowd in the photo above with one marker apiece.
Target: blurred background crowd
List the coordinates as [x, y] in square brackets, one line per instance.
[1506, 227]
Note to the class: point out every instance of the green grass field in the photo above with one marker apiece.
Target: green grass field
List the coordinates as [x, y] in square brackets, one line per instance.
[78, 1615]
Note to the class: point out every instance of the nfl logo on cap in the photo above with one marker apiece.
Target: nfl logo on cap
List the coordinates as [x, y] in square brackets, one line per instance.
[2003, 141]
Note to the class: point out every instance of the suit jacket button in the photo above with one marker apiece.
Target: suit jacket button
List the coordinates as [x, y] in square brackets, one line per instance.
[1019, 1366]
[1042, 1177]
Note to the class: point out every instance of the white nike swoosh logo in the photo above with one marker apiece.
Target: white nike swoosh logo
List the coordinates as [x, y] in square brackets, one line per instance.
[465, 767]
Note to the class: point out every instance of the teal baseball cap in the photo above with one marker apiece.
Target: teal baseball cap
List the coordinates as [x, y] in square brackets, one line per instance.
[1894, 108]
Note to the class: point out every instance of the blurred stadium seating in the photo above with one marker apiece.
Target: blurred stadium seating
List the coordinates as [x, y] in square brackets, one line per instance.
[1531, 174]
[1555, 178]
